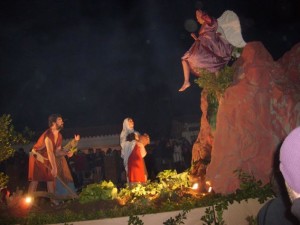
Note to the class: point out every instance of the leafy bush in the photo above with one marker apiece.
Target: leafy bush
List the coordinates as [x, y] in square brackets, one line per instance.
[215, 86]
[8, 138]
[102, 191]
[252, 188]
[171, 180]
[142, 201]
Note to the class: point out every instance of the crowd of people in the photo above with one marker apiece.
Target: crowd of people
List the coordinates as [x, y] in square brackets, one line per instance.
[97, 165]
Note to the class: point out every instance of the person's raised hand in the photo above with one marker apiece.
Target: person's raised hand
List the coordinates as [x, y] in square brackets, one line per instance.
[77, 137]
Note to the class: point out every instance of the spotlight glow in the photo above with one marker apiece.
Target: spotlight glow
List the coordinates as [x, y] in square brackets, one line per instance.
[28, 200]
[195, 186]
[209, 189]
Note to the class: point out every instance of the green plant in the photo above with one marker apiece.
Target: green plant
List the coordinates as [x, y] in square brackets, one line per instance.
[178, 219]
[139, 205]
[171, 180]
[215, 85]
[251, 220]
[212, 110]
[250, 187]
[3, 180]
[135, 220]
[8, 138]
[102, 191]
[210, 216]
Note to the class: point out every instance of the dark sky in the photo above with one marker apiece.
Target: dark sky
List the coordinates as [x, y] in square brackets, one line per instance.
[97, 62]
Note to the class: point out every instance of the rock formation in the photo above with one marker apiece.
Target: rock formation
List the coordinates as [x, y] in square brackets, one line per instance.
[255, 114]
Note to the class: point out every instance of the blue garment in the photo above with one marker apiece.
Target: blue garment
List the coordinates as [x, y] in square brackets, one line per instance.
[61, 190]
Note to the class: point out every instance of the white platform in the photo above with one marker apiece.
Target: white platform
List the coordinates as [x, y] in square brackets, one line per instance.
[235, 214]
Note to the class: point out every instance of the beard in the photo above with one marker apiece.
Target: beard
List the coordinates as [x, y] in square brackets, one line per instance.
[59, 127]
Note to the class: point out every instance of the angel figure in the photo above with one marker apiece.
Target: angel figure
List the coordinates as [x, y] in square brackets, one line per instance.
[213, 46]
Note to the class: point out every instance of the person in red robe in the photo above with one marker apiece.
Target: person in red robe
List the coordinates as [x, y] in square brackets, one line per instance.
[42, 162]
[137, 172]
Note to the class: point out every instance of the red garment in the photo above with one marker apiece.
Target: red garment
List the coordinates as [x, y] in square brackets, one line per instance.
[136, 165]
[37, 170]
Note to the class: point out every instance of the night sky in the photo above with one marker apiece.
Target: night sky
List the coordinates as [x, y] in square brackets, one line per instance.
[97, 62]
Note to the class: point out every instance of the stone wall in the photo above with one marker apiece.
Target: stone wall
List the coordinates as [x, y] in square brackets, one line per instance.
[254, 116]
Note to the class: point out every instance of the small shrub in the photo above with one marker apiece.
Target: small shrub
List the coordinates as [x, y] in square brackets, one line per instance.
[215, 85]
[178, 219]
[102, 191]
[135, 220]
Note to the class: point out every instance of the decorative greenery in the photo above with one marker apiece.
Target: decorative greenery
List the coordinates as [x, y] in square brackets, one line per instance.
[252, 188]
[8, 138]
[170, 179]
[102, 191]
[169, 182]
[251, 220]
[214, 85]
[214, 213]
[135, 220]
[212, 110]
[3, 180]
[143, 200]
[178, 219]
[249, 188]
[209, 218]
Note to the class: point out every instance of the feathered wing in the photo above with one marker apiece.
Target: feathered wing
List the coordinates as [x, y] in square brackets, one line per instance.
[230, 28]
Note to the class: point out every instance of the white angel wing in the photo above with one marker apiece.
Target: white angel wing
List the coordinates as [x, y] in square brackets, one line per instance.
[230, 28]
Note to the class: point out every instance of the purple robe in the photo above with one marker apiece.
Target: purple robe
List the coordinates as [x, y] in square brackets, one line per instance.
[210, 51]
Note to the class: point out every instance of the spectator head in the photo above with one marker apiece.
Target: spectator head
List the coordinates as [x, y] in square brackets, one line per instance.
[290, 168]
[290, 161]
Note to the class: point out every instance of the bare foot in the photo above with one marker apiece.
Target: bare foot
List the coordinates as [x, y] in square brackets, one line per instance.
[184, 86]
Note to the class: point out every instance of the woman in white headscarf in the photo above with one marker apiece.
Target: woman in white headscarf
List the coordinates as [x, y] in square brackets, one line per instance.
[128, 127]
[127, 146]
